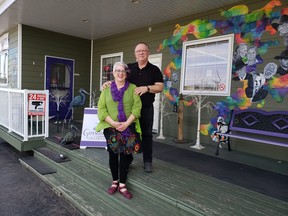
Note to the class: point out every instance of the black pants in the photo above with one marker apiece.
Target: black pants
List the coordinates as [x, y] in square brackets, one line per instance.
[114, 166]
[146, 123]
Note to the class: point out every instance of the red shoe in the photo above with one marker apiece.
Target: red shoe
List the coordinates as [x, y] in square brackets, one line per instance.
[123, 190]
[113, 188]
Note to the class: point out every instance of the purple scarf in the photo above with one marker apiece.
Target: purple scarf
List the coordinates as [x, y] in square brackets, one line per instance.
[117, 95]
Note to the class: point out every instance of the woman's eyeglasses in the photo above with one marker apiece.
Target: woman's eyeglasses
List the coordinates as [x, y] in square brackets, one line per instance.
[120, 71]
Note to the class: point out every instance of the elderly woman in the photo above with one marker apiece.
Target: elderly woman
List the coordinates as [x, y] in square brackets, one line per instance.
[119, 110]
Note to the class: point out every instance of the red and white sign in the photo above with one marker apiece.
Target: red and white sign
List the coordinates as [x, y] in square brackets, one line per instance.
[221, 87]
[36, 104]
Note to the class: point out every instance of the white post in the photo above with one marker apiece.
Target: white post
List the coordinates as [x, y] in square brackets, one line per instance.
[9, 112]
[47, 114]
[25, 103]
[161, 136]
[199, 106]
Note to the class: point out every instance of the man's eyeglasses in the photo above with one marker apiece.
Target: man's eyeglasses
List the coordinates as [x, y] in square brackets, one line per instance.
[120, 71]
[141, 51]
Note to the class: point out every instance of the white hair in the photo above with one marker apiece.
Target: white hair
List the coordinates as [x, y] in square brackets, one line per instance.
[120, 63]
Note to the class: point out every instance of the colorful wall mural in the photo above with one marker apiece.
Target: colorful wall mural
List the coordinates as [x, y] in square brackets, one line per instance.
[248, 29]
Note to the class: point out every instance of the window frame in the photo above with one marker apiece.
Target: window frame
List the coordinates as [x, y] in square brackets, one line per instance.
[4, 44]
[108, 59]
[212, 81]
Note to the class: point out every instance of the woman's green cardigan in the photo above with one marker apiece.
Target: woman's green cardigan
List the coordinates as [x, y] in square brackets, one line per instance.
[108, 107]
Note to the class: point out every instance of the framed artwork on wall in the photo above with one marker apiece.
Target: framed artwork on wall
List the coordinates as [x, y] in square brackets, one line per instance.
[207, 66]
[107, 62]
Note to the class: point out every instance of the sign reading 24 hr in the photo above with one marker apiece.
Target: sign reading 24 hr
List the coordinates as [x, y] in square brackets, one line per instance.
[36, 104]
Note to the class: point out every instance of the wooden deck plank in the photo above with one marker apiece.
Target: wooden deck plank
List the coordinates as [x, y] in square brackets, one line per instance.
[94, 181]
[204, 192]
[188, 188]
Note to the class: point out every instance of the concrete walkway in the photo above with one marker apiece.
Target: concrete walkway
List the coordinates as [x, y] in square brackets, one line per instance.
[23, 194]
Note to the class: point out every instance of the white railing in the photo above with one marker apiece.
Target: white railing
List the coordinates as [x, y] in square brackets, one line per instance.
[25, 112]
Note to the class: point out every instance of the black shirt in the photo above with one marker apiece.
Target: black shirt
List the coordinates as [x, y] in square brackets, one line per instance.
[144, 77]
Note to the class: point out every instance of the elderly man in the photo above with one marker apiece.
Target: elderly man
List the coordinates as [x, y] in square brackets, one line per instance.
[149, 81]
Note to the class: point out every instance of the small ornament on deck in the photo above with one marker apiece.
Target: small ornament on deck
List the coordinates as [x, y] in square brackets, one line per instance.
[222, 127]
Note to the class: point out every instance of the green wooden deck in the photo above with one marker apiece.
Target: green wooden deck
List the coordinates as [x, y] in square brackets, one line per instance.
[169, 190]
